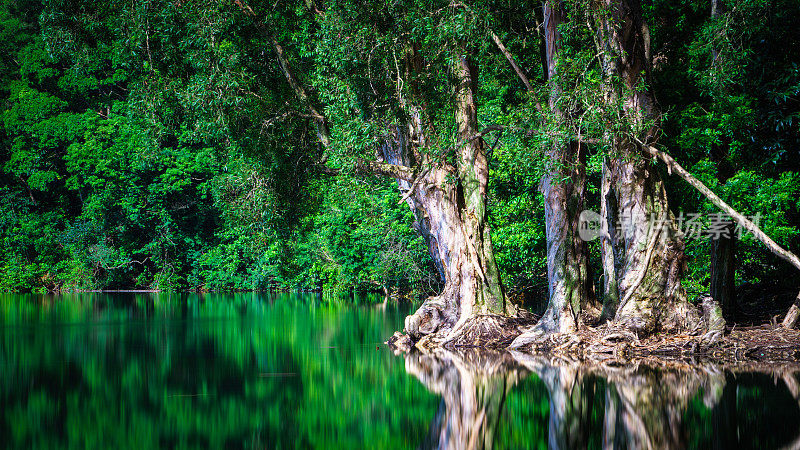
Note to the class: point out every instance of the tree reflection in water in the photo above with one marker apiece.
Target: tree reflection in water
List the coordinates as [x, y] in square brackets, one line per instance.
[473, 385]
[613, 406]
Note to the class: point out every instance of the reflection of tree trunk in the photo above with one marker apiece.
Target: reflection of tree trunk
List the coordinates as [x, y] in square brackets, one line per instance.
[646, 408]
[643, 407]
[473, 385]
[570, 407]
[571, 399]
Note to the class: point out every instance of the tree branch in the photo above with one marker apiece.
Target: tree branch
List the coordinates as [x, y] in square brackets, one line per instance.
[510, 58]
[320, 121]
[386, 169]
[672, 165]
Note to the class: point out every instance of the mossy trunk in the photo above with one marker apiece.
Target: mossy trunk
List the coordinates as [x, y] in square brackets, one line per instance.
[610, 255]
[648, 241]
[449, 204]
[564, 191]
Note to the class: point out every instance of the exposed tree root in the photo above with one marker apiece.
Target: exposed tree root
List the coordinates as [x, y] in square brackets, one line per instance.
[540, 335]
[491, 331]
[611, 342]
[428, 329]
[433, 316]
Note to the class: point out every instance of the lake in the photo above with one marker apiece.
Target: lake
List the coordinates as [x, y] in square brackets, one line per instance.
[146, 370]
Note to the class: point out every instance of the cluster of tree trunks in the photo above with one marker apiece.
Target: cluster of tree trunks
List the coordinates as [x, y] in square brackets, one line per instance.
[642, 260]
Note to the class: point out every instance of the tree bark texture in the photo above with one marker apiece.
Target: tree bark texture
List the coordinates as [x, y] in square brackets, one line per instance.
[648, 240]
[449, 204]
[564, 191]
[723, 269]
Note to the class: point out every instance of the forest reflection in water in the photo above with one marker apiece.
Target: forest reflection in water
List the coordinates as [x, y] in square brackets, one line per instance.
[637, 406]
[258, 370]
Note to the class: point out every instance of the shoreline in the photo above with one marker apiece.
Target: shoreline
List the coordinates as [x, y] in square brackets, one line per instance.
[751, 346]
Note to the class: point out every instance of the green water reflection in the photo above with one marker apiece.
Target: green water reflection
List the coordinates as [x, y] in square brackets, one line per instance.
[296, 371]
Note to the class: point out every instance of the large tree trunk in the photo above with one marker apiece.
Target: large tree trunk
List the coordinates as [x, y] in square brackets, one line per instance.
[648, 283]
[567, 256]
[450, 215]
[471, 309]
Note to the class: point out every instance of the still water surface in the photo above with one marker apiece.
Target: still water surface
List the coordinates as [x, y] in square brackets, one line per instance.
[295, 371]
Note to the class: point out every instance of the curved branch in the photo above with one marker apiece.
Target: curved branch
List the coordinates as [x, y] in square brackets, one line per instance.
[520, 73]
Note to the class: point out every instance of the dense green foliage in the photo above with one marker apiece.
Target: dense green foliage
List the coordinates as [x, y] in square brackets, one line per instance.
[119, 173]
[157, 144]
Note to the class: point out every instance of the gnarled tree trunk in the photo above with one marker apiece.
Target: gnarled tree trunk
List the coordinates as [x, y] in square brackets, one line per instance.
[647, 240]
[567, 256]
[449, 204]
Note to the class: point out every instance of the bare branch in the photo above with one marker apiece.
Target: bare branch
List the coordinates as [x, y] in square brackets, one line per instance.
[510, 58]
[792, 316]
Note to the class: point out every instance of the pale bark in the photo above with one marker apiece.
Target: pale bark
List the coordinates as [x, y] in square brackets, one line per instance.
[743, 221]
[473, 385]
[517, 69]
[450, 216]
[648, 283]
[471, 309]
[567, 265]
[793, 316]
